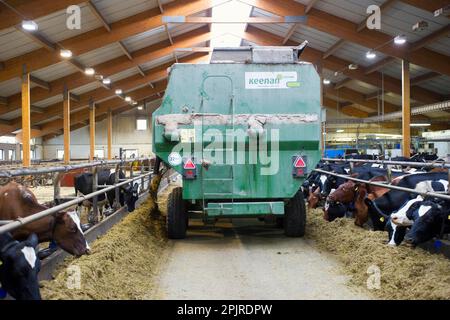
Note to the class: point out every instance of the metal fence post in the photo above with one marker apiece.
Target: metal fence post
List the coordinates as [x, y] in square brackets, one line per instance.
[142, 179]
[57, 187]
[95, 199]
[117, 189]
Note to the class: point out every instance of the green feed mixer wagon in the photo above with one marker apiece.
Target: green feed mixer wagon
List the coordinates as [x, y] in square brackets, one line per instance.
[244, 132]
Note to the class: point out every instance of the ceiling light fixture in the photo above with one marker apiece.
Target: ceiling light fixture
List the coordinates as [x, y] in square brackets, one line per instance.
[65, 53]
[400, 40]
[29, 25]
[89, 71]
[420, 124]
[106, 81]
[339, 130]
[371, 55]
[119, 91]
[326, 81]
[140, 108]
[353, 66]
[128, 99]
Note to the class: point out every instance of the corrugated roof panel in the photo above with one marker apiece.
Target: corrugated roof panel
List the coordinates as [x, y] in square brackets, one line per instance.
[10, 87]
[361, 87]
[357, 54]
[440, 85]
[115, 10]
[317, 39]
[48, 120]
[12, 115]
[87, 88]
[182, 29]
[49, 101]
[14, 43]
[100, 55]
[54, 27]
[394, 69]
[55, 71]
[124, 74]
[145, 39]
[442, 46]
[154, 63]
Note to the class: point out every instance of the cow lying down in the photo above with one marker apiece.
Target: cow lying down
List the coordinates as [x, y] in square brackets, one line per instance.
[17, 201]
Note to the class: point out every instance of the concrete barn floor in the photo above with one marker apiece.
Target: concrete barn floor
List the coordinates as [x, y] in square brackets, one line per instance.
[247, 259]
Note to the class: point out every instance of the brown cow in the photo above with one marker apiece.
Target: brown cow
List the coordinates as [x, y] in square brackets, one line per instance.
[313, 198]
[16, 201]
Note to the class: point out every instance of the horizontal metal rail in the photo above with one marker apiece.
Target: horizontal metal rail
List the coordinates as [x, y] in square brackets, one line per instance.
[389, 186]
[26, 220]
[396, 163]
[66, 168]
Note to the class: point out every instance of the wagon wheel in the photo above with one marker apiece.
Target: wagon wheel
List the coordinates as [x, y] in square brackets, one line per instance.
[295, 216]
[177, 218]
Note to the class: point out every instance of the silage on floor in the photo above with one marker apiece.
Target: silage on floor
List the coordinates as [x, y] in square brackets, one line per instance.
[122, 265]
[406, 273]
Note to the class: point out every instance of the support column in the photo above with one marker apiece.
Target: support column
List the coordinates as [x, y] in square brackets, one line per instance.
[26, 126]
[66, 115]
[406, 109]
[92, 129]
[110, 125]
[322, 124]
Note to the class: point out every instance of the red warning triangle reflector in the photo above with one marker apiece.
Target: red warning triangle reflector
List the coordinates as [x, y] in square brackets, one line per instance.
[299, 163]
[189, 164]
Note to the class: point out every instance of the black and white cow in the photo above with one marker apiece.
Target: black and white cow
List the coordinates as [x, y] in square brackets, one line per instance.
[423, 218]
[19, 267]
[381, 208]
[128, 193]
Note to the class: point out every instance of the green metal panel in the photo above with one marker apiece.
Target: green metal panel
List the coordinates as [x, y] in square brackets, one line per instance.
[245, 209]
[223, 89]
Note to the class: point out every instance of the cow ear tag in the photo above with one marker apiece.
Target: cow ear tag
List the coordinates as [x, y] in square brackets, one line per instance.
[1, 262]
[382, 219]
[447, 217]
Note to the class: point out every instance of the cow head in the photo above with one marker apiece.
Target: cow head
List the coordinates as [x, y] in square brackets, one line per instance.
[67, 233]
[19, 267]
[396, 233]
[334, 210]
[427, 226]
[131, 196]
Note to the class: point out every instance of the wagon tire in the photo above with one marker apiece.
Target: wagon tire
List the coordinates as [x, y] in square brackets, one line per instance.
[295, 216]
[176, 215]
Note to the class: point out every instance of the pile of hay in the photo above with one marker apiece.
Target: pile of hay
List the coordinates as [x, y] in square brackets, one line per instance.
[406, 273]
[122, 265]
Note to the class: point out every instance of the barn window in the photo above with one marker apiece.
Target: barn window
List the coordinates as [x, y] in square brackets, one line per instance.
[2, 156]
[60, 154]
[141, 124]
[99, 153]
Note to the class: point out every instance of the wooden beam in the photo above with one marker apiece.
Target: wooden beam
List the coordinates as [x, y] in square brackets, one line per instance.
[383, 8]
[141, 72]
[234, 20]
[26, 124]
[74, 97]
[35, 109]
[333, 63]
[91, 130]
[2, 65]
[406, 109]
[3, 100]
[431, 38]
[115, 65]
[125, 50]
[289, 34]
[373, 95]
[109, 133]
[427, 5]
[32, 10]
[379, 65]
[99, 15]
[310, 5]
[333, 48]
[168, 34]
[342, 83]
[425, 77]
[66, 129]
[126, 85]
[346, 30]
[40, 83]
[100, 37]
[38, 38]
[77, 65]
[161, 8]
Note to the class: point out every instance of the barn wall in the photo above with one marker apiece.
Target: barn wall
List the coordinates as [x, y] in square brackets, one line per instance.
[124, 136]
